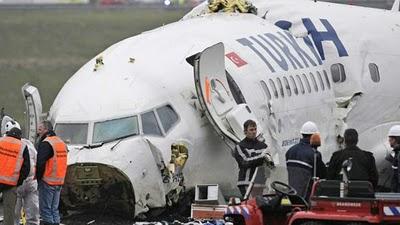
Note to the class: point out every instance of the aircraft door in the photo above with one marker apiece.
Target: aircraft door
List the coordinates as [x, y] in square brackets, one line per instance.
[225, 115]
[33, 104]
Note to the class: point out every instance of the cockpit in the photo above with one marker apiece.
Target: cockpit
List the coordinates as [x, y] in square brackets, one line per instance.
[157, 121]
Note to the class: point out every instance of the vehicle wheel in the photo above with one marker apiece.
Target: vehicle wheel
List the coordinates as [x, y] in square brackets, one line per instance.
[236, 220]
[356, 223]
[312, 223]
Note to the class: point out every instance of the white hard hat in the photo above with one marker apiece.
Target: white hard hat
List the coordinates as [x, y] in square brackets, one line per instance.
[394, 131]
[12, 124]
[309, 128]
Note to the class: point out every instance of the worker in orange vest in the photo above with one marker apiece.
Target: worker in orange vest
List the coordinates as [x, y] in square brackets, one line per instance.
[50, 172]
[14, 169]
[27, 193]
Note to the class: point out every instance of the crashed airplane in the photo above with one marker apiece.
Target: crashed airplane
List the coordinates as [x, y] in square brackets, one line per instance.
[194, 82]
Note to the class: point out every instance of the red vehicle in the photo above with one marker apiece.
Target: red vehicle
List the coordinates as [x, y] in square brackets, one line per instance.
[361, 206]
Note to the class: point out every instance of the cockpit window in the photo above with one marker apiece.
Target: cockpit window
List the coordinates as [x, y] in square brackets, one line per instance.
[115, 129]
[150, 124]
[72, 133]
[168, 117]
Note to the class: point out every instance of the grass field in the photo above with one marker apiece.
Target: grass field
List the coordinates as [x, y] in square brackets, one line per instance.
[45, 47]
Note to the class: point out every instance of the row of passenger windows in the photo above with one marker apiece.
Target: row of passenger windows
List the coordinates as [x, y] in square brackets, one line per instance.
[301, 83]
[296, 84]
[339, 74]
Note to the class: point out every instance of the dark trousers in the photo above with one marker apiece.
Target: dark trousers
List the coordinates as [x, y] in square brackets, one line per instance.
[9, 201]
[49, 198]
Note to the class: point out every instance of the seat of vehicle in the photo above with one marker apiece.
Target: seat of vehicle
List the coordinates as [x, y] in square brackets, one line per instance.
[274, 204]
[356, 189]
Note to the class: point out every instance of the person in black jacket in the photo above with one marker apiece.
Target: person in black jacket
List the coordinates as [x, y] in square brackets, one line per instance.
[319, 167]
[250, 153]
[300, 161]
[394, 141]
[49, 195]
[363, 162]
[45, 151]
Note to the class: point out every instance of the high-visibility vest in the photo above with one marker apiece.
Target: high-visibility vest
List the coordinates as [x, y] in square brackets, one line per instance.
[11, 160]
[56, 166]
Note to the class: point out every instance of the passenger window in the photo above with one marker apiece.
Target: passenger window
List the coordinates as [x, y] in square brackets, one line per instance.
[320, 80]
[374, 72]
[338, 73]
[300, 84]
[328, 83]
[235, 90]
[271, 82]
[266, 90]
[287, 87]
[305, 80]
[296, 91]
[168, 117]
[314, 82]
[149, 124]
[280, 87]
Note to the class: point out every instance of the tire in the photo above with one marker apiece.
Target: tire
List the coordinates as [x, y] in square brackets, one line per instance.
[237, 220]
[357, 223]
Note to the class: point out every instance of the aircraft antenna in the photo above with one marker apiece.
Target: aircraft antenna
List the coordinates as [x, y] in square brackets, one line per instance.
[265, 14]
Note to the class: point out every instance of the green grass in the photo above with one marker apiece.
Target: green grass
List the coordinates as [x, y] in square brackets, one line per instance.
[45, 47]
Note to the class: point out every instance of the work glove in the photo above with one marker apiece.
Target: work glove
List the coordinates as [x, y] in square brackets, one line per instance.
[269, 162]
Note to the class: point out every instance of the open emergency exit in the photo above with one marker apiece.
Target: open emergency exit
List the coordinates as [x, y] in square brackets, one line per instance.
[33, 104]
[225, 115]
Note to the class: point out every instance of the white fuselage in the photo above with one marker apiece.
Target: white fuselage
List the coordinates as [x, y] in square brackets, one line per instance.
[150, 70]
